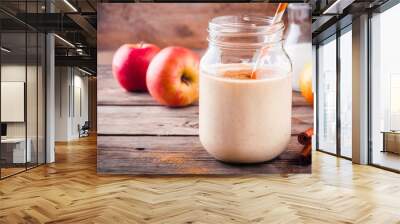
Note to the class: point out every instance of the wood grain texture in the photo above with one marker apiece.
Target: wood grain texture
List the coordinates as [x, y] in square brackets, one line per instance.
[160, 120]
[161, 24]
[181, 155]
[70, 191]
[110, 93]
[145, 120]
[139, 136]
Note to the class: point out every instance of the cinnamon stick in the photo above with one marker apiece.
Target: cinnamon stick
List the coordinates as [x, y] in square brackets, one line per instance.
[304, 138]
[305, 155]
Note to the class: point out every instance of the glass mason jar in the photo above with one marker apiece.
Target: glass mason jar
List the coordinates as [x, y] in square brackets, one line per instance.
[245, 90]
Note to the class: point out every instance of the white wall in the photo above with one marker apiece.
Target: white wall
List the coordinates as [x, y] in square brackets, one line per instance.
[12, 73]
[81, 84]
[70, 83]
[13, 101]
[62, 81]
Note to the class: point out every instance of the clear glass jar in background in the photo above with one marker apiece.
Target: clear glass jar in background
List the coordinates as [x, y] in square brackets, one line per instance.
[245, 120]
[298, 39]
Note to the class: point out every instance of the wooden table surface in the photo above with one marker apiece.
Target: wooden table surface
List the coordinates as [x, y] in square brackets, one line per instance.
[138, 136]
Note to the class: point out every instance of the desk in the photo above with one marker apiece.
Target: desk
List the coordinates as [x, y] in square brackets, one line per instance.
[391, 141]
[16, 147]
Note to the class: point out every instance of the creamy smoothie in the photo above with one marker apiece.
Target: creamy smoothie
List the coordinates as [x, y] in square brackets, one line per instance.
[244, 120]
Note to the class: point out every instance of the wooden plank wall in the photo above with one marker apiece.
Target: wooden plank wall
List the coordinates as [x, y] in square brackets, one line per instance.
[181, 24]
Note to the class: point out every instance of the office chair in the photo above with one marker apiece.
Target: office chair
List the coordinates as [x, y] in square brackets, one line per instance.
[84, 130]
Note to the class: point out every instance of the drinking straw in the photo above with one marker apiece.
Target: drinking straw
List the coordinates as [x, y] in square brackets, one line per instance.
[279, 12]
[277, 18]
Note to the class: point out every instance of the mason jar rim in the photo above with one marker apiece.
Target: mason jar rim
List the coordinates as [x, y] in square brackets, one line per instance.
[240, 26]
[249, 24]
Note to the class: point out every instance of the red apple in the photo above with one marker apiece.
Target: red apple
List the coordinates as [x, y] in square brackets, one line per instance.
[130, 65]
[173, 77]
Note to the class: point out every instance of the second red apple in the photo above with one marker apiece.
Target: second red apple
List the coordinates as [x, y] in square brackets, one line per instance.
[173, 77]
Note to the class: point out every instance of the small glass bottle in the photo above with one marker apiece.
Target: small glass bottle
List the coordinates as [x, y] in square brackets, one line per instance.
[245, 117]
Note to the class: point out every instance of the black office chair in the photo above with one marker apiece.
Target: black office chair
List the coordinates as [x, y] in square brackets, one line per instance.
[84, 130]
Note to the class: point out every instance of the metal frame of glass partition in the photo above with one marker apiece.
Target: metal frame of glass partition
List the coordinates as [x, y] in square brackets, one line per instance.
[43, 54]
[334, 37]
[382, 8]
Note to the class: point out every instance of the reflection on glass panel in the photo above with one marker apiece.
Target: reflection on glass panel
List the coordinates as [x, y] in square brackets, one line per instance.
[22, 89]
[41, 98]
[395, 102]
[346, 94]
[327, 97]
[385, 103]
[31, 100]
[14, 153]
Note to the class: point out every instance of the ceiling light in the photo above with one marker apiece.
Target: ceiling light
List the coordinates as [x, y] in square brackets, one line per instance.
[80, 51]
[70, 5]
[5, 50]
[338, 6]
[65, 41]
[84, 71]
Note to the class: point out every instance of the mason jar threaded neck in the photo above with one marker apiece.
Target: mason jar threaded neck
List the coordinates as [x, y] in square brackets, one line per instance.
[250, 32]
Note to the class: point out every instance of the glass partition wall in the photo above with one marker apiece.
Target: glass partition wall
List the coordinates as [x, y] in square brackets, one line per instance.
[334, 94]
[22, 98]
[13, 89]
[385, 89]
[326, 105]
[335, 126]
[345, 93]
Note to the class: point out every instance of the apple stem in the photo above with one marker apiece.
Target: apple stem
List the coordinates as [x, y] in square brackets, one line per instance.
[141, 44]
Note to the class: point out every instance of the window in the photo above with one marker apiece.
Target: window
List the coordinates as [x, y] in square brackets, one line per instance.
[327, 96]
[333, 137]
[385, 89]
[346, 93]
[394, 102]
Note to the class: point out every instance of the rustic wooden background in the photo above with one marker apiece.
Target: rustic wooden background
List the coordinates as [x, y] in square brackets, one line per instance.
[165, 24]
[138, 136]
